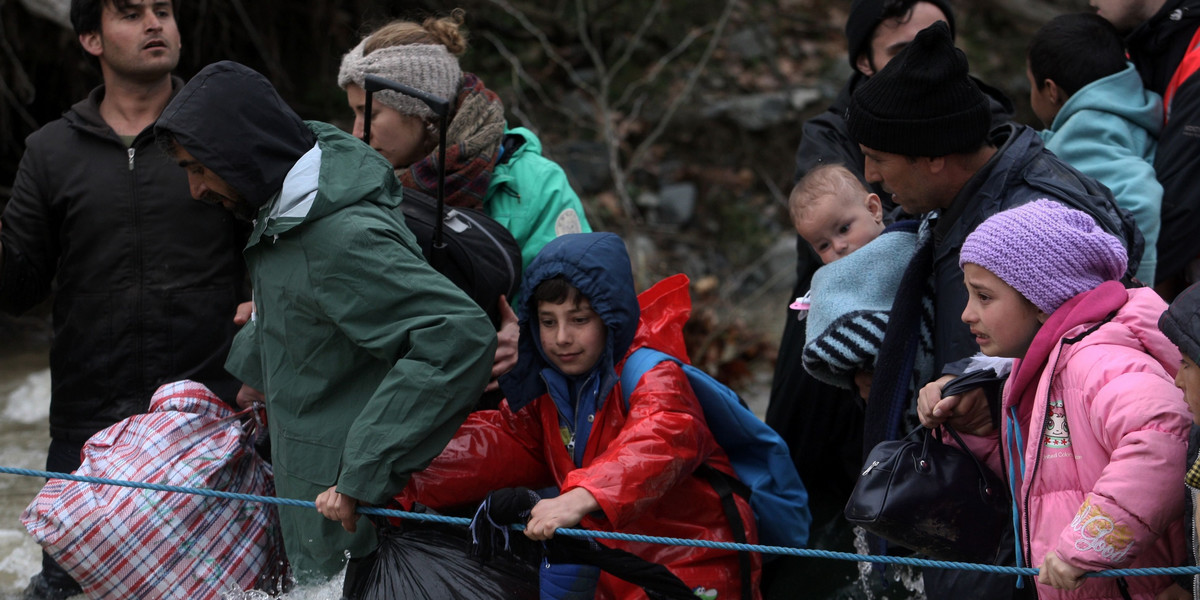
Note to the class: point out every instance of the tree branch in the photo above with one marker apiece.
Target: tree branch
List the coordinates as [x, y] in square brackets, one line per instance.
[639, 153]
[661, 64]
[636, 40]
[547, 47]
[521, 75]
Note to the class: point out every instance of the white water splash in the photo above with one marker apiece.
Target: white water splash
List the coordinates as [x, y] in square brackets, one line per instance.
[907, 576]
[29, 402]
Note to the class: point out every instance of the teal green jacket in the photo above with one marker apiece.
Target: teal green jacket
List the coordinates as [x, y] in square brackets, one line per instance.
[369, 359]
[530, 196]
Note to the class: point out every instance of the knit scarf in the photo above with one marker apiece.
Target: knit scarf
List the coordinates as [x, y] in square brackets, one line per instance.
[472, 141]
[905, 359]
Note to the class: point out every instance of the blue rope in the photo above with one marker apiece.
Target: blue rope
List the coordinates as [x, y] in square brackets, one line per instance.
[610, 535]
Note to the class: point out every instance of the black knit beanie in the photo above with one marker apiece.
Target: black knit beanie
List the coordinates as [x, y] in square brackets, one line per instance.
[866, 15]
[923, 103]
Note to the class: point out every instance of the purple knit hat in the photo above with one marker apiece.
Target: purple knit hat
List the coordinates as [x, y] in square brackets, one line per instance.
[1046, 251]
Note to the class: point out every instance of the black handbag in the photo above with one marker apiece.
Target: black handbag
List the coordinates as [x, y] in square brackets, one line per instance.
[932, 498]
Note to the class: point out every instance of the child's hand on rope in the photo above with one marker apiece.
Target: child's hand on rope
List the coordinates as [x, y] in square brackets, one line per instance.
[1059, 574]
[564, 511]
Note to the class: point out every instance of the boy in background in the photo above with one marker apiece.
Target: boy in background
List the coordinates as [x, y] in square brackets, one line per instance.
[1181, 324]
[1099, 117]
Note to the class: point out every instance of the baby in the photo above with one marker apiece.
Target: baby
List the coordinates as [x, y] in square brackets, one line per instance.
[848, 302]
[833, 211]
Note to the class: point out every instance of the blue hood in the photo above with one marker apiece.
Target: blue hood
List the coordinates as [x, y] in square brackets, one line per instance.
[597, 264]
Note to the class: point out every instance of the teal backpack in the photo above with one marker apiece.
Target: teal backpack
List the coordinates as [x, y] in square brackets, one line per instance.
[759, 456]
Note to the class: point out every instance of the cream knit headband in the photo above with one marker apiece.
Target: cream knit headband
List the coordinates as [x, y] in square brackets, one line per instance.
[427, 67]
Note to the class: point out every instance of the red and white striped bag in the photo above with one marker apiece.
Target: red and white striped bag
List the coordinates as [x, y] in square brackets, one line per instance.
[123, 542]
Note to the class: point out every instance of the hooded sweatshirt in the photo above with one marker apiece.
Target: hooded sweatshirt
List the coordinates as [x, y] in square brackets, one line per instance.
[1109, 130]
[369, 359]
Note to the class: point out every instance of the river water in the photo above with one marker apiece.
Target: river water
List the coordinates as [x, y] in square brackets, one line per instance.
[24, 437]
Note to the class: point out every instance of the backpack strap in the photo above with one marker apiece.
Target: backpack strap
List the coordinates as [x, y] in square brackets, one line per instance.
[636, 365]
[1189, 65]
[726, 487]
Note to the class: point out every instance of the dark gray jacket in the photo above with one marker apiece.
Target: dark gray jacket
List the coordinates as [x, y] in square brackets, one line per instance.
[146, 280]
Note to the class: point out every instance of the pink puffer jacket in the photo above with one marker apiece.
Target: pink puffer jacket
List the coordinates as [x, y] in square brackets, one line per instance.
[1100, 450]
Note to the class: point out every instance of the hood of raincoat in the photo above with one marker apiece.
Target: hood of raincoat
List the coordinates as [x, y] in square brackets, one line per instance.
[597, 264]
[231, 119]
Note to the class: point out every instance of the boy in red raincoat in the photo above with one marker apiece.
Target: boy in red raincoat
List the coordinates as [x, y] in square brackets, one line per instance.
[628, 468]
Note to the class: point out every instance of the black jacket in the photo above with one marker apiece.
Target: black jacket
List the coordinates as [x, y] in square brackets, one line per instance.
[1156, 47]
[146, 280]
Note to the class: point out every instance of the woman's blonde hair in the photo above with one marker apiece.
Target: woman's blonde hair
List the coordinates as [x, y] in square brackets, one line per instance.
[446, 31]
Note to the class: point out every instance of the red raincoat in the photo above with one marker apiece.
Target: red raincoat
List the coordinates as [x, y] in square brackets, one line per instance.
[638, 463]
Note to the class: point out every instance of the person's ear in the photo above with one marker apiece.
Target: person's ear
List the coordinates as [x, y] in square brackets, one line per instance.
[431, 136]
[864, 64]
[1042, 317]
[936, 164]
[1055, 94]
[92, 43]
[875, 206]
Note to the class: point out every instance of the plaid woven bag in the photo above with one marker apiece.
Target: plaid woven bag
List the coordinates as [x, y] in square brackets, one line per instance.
[123, 542]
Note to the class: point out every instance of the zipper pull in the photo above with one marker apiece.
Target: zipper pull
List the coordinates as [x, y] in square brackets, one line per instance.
[131, 151]
[874, 464]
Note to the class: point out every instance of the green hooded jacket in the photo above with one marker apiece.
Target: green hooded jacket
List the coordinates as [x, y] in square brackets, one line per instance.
[368, 357]
[530, 196]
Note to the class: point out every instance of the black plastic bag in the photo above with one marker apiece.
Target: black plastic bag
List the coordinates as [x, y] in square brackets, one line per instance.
[434, 561]
[491, 537]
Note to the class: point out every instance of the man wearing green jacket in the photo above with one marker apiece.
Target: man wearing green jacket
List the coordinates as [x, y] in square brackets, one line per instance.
[368, 358]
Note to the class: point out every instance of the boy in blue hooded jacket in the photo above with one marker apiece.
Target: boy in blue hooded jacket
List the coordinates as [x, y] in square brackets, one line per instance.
[617, 466]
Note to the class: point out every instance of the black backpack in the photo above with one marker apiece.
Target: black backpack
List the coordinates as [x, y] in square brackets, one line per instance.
[470, 248]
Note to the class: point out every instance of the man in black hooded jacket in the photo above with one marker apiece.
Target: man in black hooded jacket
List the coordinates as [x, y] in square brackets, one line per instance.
[924, 127]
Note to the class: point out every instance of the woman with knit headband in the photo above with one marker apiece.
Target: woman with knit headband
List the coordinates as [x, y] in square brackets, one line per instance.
[488, 166]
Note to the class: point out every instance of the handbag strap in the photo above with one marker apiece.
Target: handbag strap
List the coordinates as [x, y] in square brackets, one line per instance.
[983, 474]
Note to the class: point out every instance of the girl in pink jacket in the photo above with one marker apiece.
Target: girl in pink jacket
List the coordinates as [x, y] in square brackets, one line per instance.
[1093, 432]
